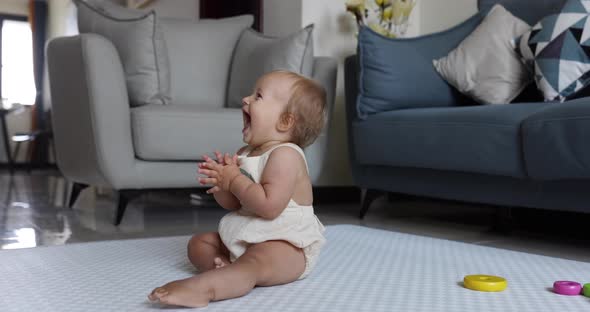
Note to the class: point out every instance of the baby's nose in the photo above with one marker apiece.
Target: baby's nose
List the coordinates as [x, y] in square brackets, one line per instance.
[245, 101]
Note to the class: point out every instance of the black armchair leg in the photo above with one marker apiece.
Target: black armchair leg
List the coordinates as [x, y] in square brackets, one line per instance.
[125, 196]
[76, 189]
[367, 197]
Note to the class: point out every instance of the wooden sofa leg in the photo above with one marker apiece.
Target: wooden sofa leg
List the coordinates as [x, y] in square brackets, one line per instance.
[76, 189]
[367, 197]
[125, 196]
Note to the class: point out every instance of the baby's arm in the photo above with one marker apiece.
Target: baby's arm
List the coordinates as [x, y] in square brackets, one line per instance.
[270, 197]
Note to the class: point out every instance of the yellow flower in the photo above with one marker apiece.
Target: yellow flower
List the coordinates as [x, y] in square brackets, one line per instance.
[354, 4]
[387, 13]
[379, 29]
[402, 10]
[379, 2]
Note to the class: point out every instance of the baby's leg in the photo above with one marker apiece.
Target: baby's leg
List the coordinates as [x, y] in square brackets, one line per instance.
[265, 264]
[206, 251]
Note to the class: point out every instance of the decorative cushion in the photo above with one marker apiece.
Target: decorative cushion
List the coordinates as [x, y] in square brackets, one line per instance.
[256, 54]
[200, 58]
[140, 43]
[485, 65]
[398, 73]
[558, 50]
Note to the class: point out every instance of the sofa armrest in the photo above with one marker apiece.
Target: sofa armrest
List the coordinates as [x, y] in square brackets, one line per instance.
[91, 115]
[555, 141]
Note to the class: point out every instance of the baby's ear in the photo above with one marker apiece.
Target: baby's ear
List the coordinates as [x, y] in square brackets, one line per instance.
[286, 122]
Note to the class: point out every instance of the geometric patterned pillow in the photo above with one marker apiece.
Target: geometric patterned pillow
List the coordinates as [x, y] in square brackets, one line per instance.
[557, 50]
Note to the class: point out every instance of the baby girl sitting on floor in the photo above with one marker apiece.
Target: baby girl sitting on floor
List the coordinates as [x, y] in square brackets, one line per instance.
[272, 235]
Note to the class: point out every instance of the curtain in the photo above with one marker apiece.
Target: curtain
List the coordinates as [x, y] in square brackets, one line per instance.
[38, 21]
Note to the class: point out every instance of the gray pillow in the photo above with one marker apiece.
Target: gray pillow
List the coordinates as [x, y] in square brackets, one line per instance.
[137, 37]
[200, 58]
[256, 54]
[485, 66]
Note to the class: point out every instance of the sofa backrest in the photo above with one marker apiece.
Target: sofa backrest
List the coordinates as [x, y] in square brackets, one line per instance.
[531, 11]
[200, 57]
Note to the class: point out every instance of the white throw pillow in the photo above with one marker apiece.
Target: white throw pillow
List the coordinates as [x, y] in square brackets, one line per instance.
[485, 65]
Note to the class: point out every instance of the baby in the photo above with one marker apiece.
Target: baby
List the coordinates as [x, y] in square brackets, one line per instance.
[272, 235]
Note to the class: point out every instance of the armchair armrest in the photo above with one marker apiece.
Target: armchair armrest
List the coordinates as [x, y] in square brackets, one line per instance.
[555, 141]
[91, 116]
[324, 71]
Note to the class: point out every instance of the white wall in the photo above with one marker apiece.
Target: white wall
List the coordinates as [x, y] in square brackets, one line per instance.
[438, 15]
[281, 17]
[334, 36]
[16, 7]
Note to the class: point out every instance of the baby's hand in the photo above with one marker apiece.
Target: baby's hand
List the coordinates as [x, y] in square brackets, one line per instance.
[218, 175]
[218, 154]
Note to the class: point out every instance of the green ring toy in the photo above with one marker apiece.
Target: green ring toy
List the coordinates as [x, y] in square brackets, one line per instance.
[586, 290]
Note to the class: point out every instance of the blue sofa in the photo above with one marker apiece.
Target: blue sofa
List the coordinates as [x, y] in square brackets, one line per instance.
[437, 143]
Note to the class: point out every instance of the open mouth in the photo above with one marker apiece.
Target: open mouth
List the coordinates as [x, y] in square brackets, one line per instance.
[247, 121]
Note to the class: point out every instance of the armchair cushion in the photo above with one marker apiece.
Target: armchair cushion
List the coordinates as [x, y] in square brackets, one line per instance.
[184, 132]
[256, 55]
[139, 40]
[398, 73]
[200, 57]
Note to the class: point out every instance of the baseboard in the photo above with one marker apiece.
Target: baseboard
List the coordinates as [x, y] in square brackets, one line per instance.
[336, 194]
[26, 166]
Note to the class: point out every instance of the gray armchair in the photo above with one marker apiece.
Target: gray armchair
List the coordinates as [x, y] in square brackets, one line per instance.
[100, 140]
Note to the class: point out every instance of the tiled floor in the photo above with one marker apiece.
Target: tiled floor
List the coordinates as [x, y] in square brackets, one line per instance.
[32, 214]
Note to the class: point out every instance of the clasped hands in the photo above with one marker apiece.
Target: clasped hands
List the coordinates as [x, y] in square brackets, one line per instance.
[219, 173]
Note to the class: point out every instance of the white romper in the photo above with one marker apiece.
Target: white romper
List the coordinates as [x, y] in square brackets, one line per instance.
[297, 224]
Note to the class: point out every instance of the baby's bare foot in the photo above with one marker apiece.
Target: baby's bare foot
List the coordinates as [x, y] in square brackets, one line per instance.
[190, 292]
[219, 263]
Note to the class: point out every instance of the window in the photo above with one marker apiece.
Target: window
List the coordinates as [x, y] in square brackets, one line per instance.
[16, 77]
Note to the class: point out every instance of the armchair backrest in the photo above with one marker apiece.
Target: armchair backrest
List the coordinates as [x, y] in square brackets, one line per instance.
[200, 57]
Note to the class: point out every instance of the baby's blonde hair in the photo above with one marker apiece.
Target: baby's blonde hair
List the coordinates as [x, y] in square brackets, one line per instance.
[306, 103]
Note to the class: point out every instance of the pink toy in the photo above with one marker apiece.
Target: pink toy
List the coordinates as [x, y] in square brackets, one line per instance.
[567, 288]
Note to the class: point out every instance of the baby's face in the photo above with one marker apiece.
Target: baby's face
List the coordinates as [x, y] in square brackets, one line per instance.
[263, 108]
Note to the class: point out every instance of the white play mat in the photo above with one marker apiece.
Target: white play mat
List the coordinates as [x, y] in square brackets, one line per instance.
[360, 269]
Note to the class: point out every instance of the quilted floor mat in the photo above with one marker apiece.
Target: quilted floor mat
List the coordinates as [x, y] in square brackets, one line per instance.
[360, 269]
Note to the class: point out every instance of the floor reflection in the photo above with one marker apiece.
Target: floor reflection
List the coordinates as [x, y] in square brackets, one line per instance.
[33, 213]
[20, 238]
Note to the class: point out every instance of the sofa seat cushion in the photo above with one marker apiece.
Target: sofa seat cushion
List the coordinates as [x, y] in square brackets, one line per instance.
[479, 139]
[556, 141]
[184, 132]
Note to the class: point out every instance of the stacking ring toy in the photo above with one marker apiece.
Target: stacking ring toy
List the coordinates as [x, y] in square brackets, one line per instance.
[485, 282]
[587, 290]
[567, 288]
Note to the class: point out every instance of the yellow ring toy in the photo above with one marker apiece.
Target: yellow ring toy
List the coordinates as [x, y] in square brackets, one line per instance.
[485, 282]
